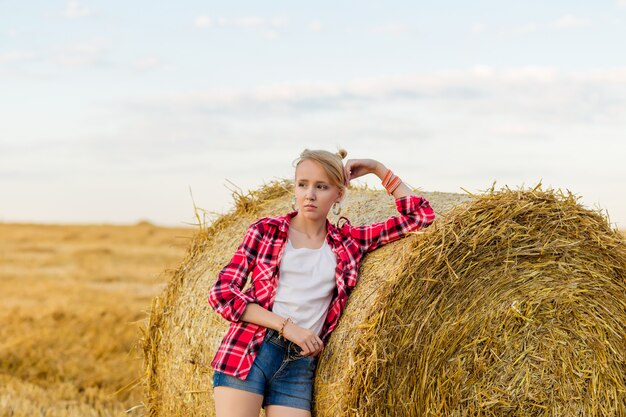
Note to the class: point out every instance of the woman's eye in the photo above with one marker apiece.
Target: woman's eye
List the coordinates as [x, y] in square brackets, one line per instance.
[323, 187]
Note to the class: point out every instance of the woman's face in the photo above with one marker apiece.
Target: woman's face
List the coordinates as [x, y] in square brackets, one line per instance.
[315, 195]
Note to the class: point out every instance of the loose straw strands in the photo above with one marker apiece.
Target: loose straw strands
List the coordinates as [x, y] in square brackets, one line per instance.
[512, 304]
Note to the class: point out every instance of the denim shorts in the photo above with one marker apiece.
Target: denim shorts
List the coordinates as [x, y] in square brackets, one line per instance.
[279, 373]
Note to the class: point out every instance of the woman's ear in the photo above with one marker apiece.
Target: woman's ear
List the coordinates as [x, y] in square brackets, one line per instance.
[342, 194]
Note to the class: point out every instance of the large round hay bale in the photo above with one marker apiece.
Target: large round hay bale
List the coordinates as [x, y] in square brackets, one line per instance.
[511, 303]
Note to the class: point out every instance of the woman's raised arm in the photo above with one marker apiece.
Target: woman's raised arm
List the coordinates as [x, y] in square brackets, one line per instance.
[415, 211]
[355, 168]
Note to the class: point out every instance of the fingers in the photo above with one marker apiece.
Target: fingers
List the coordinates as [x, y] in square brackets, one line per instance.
[318, 348]
[310, 344]
[347, 171]
[351, 170]
[313, 347]
[354, 168]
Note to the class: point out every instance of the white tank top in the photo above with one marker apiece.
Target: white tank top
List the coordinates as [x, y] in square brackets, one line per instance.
[305, 285]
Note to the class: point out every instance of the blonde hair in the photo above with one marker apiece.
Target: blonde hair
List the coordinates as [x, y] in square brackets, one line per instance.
[330, 162]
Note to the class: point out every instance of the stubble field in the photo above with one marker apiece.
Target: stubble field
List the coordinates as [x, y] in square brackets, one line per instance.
[72, 300]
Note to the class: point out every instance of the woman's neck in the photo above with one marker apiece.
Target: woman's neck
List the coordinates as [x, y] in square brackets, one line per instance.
[312, 229]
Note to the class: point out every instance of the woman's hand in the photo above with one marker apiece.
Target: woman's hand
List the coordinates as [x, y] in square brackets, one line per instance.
[355, 168]
[308, 341]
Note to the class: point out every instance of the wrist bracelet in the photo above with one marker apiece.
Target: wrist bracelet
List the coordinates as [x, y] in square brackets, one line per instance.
[387, 176]
[282, 327]
[391, 182]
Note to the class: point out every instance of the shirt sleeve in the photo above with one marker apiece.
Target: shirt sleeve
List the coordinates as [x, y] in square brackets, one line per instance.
[415, 213]
[226, 296]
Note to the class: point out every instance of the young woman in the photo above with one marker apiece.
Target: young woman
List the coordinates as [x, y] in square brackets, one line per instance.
[279, 326]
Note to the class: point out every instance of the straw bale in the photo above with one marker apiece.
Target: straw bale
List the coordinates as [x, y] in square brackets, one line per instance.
[511, 303]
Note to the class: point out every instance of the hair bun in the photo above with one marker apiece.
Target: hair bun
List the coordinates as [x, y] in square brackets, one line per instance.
[342, 153]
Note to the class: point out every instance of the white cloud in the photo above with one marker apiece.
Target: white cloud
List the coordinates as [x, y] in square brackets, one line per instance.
[394, 29]
[564, 22]
[78, 55]
[250, 23]
[513, 129]
[74, 10]
[83, 54]
[530, 73]
[17, 56]
[527, 28]
[621, 3]
[202, 22]
[315, 26]
[269, 28]
[151, 63]
[569, 21]
[478, 28]
[483, 71]
[530, 93]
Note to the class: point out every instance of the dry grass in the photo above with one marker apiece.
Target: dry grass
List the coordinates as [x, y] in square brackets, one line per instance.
[71, 298]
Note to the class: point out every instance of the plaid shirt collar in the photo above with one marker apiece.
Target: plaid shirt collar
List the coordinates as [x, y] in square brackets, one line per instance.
[282, 222]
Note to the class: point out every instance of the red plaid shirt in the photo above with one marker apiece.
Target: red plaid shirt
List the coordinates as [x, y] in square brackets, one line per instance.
[260, 253]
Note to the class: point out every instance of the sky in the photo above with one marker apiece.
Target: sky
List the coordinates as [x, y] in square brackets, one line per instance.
[119, 112]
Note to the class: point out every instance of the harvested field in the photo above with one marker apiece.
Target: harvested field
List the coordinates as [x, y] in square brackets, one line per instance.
[72, 298]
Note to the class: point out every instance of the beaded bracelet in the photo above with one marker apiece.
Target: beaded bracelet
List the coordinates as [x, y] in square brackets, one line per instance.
[282, 327]
[391, 181]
